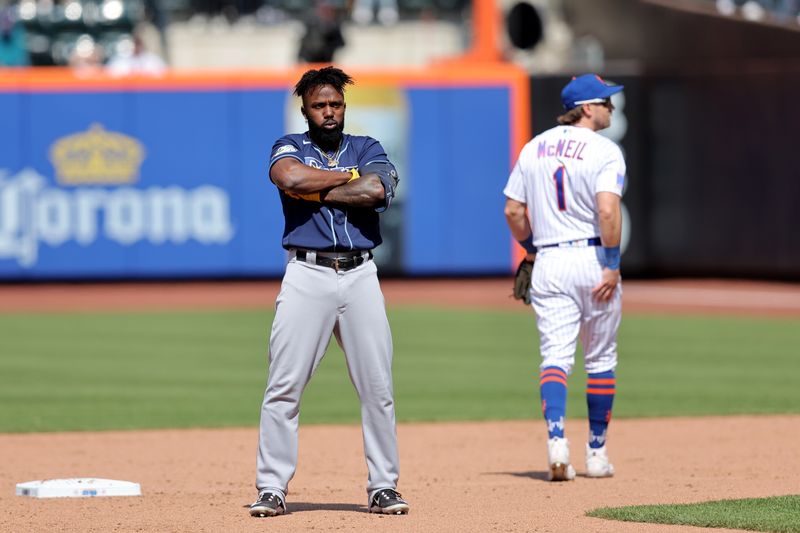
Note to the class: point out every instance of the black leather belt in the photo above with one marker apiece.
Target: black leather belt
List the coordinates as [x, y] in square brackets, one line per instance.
[337, 263]
[594, 241]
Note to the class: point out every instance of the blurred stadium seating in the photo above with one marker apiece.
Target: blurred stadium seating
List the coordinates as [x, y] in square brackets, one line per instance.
[266, 33]
[214, 33]
[55, 31]
[777, 11]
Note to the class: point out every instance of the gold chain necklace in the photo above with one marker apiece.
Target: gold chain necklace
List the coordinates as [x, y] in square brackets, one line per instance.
[334, 159]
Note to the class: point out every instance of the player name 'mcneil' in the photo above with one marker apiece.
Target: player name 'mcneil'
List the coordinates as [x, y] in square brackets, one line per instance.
[563, 148]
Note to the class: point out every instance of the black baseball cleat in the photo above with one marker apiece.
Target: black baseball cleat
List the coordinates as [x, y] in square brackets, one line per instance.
[388, 501]
[268, 504]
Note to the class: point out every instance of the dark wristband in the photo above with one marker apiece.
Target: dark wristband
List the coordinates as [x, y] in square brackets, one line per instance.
[612, 257]
[528, 245]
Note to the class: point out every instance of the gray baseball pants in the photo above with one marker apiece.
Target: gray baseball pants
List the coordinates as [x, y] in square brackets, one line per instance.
[315, 301]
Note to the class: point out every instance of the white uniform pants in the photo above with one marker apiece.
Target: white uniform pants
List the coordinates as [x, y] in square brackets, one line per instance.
[561, 294]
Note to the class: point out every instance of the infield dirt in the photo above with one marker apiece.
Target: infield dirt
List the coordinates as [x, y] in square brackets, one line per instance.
[458, 477]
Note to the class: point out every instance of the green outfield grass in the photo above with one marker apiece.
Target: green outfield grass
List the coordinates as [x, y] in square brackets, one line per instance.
[780, 514]
[189, 369]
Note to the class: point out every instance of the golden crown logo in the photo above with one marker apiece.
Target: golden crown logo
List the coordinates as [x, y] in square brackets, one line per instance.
[97, 156]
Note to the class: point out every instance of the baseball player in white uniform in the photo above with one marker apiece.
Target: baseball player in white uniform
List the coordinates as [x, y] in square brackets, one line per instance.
[563, 201]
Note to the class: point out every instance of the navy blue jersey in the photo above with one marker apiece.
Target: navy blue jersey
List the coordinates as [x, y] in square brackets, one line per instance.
[320, 227]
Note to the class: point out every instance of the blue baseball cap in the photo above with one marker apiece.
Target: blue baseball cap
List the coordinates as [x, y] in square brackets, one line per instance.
[587, 89]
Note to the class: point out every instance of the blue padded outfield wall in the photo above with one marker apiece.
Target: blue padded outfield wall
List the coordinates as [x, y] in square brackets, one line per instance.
[118, 181]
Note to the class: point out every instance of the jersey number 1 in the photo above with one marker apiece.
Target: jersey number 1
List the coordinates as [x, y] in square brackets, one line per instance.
[558, 177]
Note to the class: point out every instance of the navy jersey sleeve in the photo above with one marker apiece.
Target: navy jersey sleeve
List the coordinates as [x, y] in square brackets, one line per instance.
[373, 159]
[286, 146]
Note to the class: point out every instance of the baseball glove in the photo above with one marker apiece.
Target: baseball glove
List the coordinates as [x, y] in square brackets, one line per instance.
[522, 281]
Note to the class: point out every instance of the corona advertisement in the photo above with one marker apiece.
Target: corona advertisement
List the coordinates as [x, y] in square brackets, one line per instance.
[97, 197]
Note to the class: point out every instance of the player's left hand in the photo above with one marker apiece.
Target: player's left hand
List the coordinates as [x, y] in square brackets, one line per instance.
[522, 280]
[604, 290]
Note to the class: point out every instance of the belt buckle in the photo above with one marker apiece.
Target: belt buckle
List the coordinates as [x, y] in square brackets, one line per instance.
[336, 264]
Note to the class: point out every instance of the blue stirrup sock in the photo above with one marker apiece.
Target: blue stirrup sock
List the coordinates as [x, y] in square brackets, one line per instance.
[553, 389]
[600, 389]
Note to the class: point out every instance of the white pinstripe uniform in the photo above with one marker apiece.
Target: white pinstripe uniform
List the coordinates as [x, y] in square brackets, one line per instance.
[558, 176]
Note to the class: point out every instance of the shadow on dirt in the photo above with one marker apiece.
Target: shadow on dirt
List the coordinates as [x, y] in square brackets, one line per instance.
[542, 476]
[300, 507]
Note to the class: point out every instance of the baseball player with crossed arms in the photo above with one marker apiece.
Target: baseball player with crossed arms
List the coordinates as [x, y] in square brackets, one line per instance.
[332, 187]
[563, 207]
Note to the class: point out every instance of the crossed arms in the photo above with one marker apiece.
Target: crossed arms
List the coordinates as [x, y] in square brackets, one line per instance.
[334, 187]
